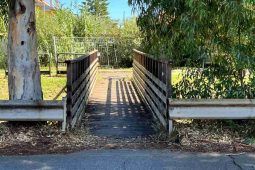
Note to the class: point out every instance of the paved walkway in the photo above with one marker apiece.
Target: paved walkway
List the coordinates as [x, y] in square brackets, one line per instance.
[130, 160]
[115, 110]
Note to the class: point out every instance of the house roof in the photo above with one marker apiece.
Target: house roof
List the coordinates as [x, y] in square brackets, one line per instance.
[47, 4]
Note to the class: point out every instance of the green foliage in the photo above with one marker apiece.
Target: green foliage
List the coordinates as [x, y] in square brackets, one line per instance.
[217, 81]
[130, 28]
[59, 23]
[3, 53]
[3, 17]
[191, 29]
[190, 32]
[96, 7]
[2, 26]
[3, 43]
[88, 25]
[63, 23]
[4, 10]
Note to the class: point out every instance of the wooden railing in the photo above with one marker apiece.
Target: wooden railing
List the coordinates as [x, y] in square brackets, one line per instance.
[62, 63]
[152, 80]
[81, 77]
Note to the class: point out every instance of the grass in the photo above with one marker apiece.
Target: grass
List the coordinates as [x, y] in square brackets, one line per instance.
[51, 86]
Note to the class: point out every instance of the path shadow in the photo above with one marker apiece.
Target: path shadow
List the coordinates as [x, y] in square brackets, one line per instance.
[121, 114]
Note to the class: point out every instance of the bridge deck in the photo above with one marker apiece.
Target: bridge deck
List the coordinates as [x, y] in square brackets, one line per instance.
[115, 110]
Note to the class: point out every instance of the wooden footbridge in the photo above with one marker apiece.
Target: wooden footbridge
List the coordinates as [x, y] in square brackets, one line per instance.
[119, 105]
[114, 101]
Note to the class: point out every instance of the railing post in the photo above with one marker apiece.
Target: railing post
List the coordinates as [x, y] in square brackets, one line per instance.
[69, 90]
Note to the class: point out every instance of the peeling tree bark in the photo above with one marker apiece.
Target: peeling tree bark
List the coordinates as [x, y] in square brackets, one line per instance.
[24, 73]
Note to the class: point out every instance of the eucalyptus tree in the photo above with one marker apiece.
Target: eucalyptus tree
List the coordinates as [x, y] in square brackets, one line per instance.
[24, 73]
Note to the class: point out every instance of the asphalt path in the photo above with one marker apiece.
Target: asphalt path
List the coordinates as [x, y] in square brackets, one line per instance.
[130, 159]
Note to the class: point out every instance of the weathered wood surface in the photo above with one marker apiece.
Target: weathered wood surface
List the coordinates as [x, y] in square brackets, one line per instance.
[148, 100]
[152, 79]
[81, 76]
[23, 68]
[115, 109]
[62, 62]
[83, 90]
[137, 68]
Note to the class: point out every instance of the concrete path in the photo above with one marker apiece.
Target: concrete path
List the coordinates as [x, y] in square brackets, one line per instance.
[130, 160]
[114, 108]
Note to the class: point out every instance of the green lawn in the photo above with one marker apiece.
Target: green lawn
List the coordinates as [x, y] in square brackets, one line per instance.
[50, 85]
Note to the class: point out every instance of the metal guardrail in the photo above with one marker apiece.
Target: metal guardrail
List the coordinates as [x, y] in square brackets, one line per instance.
[211, 109]
[20, 110]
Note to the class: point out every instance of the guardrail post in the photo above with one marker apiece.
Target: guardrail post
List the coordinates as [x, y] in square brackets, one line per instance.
[64, 114]
[169, 94]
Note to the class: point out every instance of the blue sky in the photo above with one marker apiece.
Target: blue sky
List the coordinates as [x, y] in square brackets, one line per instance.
[117, 8]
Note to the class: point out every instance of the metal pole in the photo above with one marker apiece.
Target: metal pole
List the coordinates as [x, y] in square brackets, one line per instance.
[55, 53]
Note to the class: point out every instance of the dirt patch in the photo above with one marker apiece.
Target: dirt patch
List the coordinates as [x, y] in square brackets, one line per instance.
[44, 138]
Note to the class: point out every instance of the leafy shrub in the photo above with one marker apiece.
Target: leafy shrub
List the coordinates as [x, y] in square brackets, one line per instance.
[189, 32]
[3, 53]
[227, 78]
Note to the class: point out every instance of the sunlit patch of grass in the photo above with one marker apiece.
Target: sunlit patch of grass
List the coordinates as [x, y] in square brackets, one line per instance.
[3, 86]
[51, 86]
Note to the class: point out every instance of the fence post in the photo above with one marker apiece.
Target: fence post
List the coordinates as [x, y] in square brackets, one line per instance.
[49, 61]
[55, 53]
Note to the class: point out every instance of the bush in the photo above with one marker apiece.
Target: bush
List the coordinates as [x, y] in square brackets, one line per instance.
[226, 78]
[3, 53]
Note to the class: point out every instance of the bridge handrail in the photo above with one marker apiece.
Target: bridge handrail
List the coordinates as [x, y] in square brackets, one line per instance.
[152, 79]
[81, 76]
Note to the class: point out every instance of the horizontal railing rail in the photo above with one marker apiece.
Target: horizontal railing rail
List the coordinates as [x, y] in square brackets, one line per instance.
[152, 79]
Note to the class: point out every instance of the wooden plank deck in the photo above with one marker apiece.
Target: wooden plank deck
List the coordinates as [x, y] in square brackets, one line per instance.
[115, 110]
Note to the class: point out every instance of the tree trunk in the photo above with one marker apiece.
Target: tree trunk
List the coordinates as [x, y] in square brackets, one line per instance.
[24, 73]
